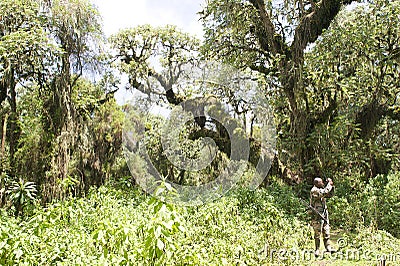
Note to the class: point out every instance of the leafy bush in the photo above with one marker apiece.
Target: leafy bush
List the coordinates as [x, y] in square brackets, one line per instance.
[125, 227]
[381, 203]
[374, 203]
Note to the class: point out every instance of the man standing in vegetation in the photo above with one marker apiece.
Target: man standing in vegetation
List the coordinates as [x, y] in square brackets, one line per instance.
[320, 218]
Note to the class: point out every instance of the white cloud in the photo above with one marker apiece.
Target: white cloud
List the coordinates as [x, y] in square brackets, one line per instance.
[121, 14]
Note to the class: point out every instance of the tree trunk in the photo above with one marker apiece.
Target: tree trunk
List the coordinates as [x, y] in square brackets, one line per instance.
[3, 136]
[64, 131]
[14, 128]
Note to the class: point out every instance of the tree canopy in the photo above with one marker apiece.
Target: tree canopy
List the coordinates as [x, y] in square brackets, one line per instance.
[282, 41]
[328, 70]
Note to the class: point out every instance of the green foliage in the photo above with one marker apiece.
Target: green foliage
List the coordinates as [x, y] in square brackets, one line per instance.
[381, 202]
[125, 227]
[373, 203]
[335, 107]
[42, 43]
[352, 68]
[345, 213]
[96, 149]
[167, 147]
[159, 245]
[142, 50]
[76, 28]
[223, 23]
[21, 194]
[68, 135]
[24, 44]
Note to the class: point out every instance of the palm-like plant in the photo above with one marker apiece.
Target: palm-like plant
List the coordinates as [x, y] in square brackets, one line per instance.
[21, 193]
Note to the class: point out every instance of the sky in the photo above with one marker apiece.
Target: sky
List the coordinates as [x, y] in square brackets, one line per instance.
[121, 14]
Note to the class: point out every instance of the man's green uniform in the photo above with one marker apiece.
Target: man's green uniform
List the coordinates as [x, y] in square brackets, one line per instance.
[318, 202]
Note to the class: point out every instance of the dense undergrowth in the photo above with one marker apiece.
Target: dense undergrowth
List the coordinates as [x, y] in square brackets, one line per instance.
[123, 226]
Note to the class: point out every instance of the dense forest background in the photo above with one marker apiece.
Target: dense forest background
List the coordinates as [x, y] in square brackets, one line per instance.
[329, 70]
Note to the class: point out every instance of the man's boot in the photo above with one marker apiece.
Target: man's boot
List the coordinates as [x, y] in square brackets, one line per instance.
[327, 245]
[317, 244]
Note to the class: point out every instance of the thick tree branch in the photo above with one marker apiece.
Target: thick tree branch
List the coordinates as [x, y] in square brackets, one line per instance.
[223, 143]
[312, 24]
[272, 42]
[371, 114]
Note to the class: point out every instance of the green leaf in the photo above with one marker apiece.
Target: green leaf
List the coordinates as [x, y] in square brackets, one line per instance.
[160, 244]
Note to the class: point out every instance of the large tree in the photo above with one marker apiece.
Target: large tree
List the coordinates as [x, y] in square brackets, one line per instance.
[358, 61]
[74, 26]
[53, 118]
[25, 55]
[165, 65]
[272, 38]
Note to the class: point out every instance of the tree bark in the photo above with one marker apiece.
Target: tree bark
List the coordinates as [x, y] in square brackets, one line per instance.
[14, 128]
[3, 136]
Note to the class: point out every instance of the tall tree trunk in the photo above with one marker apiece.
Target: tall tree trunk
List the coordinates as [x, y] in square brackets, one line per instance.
[14, 128]
[64, 131]
[3, 136]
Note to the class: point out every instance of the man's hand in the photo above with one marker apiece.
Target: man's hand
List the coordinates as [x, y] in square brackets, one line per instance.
[330, 181]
